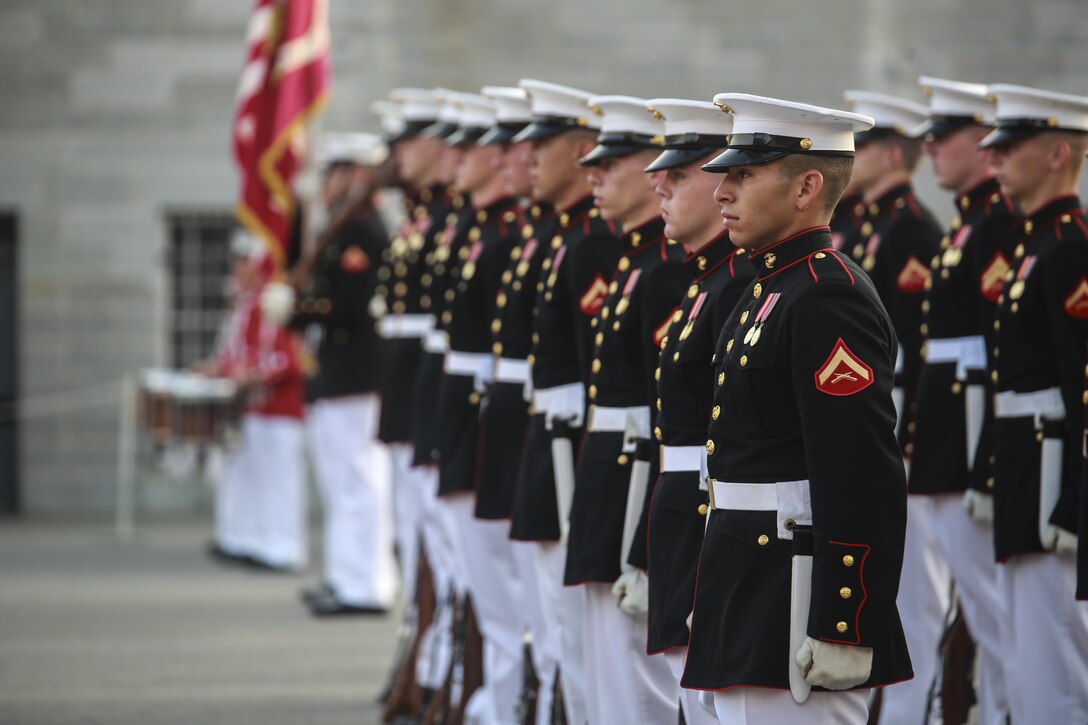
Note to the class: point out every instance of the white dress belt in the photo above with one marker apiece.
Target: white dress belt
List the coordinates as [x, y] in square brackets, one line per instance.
[510, 370]
[477, 364]
[1037, 404]
[436, 341]
[675, 459]
[546, 398]
[397, 326]
[634, 421]
[790, 499]
[969, 353]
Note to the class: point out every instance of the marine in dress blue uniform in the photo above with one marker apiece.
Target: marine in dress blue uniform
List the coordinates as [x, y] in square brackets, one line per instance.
[899, 235]
[804, 472]
[642, 294]
[334, 304]
[695, 131]
[1041, 328]
[579, 257]
[952, 430]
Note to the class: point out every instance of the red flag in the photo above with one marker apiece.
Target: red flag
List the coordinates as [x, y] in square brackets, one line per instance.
[284, 84]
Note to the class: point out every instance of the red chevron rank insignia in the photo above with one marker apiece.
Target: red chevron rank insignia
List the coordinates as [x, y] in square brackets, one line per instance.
[591, 300]
[1076, 304]
[354, 260]
[661, 330]
[843, 373]
[992, 280]
[913, 277]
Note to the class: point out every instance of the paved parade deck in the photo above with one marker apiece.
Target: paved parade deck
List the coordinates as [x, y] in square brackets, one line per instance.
[96, 631]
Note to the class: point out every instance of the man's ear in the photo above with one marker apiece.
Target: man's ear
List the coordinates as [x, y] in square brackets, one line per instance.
[1060, 152]
[809, 187]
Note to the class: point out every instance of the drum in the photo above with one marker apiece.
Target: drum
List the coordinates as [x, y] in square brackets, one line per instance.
[205, 409]
[155, 406]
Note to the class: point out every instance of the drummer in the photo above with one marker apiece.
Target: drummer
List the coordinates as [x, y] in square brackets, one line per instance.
[260, 494]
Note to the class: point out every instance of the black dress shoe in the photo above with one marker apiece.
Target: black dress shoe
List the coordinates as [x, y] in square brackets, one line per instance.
[218, 553]
[331, 606]
[311, 594]
[261, 565]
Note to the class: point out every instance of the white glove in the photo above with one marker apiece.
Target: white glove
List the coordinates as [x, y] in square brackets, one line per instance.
[277, 302]
[979, 506]
[1060, 541]
[377, 307]
[568, 404]
[480, 382]
[637, 425]
[834, 666]
[632, 592]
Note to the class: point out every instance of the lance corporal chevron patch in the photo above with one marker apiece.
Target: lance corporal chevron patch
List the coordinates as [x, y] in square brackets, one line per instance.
[843, 373]
[1076, 304]
[591, 300]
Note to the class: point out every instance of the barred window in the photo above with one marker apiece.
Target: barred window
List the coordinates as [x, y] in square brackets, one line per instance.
[199, 264]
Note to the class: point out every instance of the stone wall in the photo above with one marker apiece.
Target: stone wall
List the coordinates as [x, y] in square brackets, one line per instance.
[117, 113]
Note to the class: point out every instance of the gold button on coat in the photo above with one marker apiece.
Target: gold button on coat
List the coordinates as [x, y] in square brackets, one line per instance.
[841, 627]
[743, 360]
[845, 593]
[717, 410]
[622, 460]
[757, 290]
[703, 508]
[592, 392]
[710, 448]
[721, 378]
[763, 540]
[744, 317]
[848, 560]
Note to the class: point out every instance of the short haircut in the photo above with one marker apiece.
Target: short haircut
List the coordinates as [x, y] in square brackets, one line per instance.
[911, 149]
[1078, 147]
[836, 171]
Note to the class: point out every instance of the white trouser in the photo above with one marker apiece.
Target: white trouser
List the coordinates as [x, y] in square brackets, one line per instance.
[692, 702]
[436, 642]
[758, 706]
[280, 503]
[564, 609]
[545, 637]
[496, 596]
[923, 605]
[623, 683]
[410, 488]
[356, 479]
[1046, 647]
[232, 498]
[968, 547]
